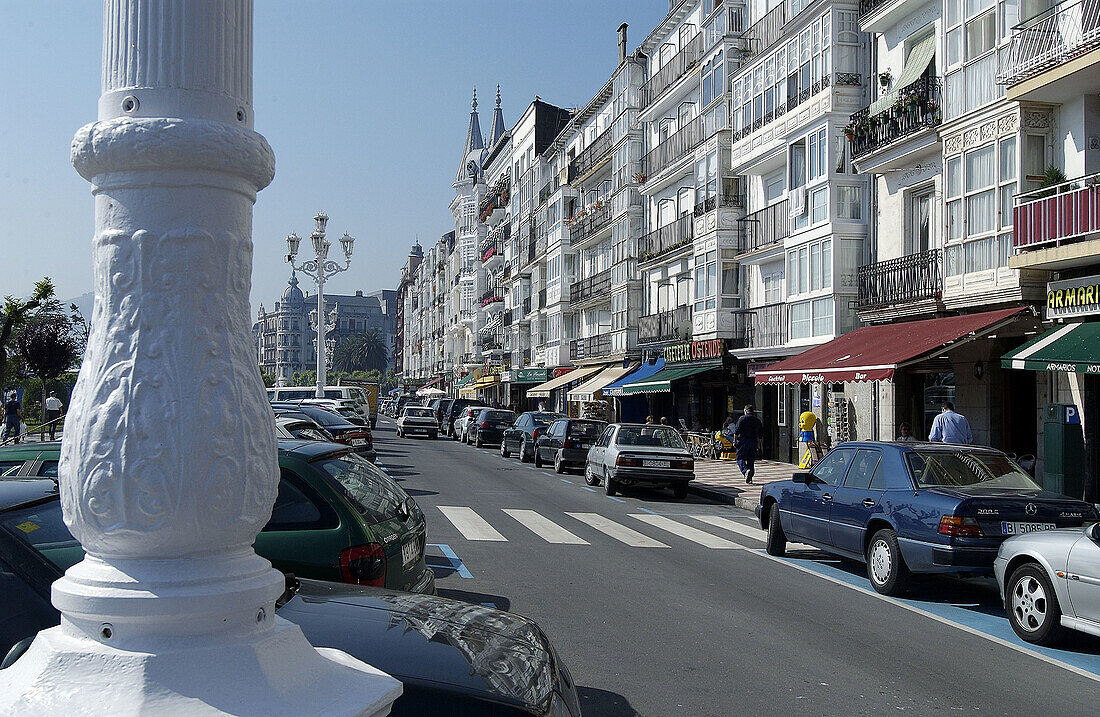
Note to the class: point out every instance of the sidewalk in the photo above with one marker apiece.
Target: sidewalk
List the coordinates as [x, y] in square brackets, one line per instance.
[722, 481]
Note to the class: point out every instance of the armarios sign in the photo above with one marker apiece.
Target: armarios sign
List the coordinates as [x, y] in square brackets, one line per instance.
[694, 351]
[1073, 297]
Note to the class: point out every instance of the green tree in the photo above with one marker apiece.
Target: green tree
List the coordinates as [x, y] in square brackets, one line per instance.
[268, 379]
[362, 352]
[51, 343]
[16, 311]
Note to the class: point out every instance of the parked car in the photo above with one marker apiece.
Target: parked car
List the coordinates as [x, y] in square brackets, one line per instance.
[452, 657]
[640, 454]
[350, 410]
[441, 411]
[357, 397]
[452, 410]
[337, 517]
[292, 426]
[342, 430]
[435, 404]
[488, 426]
[906, 508]
[525, 432]
[417, 419]
[1050, 581]
[566, 443]
[459, 430]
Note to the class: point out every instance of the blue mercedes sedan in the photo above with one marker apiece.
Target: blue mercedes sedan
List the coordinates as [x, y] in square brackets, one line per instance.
[906, 508]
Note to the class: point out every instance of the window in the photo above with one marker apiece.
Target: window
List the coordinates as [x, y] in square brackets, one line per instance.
[706, 280]
[822, 310]
[972, 38]
[832, 467]
[819, 205]
[919, 236]
[713, 79]
[810, 267]
[848, 202]
[730, 289]
[863, 468]
[800, 320]
[980, 188]
[295, 510]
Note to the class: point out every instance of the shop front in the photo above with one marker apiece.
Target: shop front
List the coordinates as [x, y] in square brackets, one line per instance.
[552, 395]
[586, 400]
[517, 381]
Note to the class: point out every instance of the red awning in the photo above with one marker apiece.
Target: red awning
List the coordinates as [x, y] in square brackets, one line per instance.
[873, 353]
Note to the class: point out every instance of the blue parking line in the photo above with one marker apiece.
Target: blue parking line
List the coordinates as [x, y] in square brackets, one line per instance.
[647, 510]
[453, 559]
[617, 500]
[563, 480]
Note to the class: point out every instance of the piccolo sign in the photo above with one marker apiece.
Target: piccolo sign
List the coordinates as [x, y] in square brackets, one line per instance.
[694, 351]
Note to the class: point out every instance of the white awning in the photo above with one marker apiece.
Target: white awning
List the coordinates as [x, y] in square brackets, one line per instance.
[587, 391]
[915, 65]
[543, 389]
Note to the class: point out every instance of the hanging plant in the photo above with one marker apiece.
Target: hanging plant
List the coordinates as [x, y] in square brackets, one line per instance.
[884, 77]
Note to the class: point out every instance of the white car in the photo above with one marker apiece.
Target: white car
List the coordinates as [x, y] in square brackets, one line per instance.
[459, 431]
[1049, 581]
[417, 419]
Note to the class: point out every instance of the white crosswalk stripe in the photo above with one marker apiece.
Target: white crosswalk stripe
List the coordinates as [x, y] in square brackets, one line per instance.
[687, 532]
[623, 534]
[545, 528]
[470, 524]
[733, 526]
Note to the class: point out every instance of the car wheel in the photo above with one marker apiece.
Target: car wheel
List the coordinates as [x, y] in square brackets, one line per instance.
[433, 436]
[522, 451]
[885, 566]
[610, 487]
[1032, 606]
[589, 477]
[477, 441]
[538, 458]
[558, 467]
[503, 449]
[777, 539]
[680, 490]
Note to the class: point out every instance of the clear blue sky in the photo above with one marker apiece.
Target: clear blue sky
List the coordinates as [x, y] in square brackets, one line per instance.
[365, 103]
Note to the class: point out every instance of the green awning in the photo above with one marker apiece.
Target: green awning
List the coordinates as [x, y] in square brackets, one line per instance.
[915, 65]
[1073, 348]
[465, 380]
[661, 382]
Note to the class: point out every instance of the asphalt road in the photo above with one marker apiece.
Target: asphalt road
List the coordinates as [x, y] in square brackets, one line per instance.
[678, 615]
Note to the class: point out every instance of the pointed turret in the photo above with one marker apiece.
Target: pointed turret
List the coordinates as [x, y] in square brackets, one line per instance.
[475, 142]
[497, 130]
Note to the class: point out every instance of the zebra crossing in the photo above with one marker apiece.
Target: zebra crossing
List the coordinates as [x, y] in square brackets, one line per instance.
[569, 528]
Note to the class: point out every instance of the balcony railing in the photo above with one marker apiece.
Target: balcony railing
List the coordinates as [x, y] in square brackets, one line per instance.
[906, 279]
[489, 297]
[1065, 31]
[674, 148]
[916, 108]
[593, 346]
[866, 7]
[764, 227]
[489, 250]
[793, 100]
[590, 221]
[673, 70]
[733, 195]
[497, 197]
[1055, 215]
[768, 30]
[595, 285]
[766, 326]
[665, 326]
[592, 155]
[667, 239]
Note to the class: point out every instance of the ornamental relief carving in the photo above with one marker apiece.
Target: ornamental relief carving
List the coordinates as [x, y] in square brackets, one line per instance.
[1008, 124]
[989, 131]
[953, 145]
[1037, 119]
[169, 435]
[918, 20]
[971, 137]
[930, 167]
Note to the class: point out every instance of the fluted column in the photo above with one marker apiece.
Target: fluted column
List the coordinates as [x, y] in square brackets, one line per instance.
[169, 466]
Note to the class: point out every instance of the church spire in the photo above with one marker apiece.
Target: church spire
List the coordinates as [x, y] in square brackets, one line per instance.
[496, 131]
[475, 142]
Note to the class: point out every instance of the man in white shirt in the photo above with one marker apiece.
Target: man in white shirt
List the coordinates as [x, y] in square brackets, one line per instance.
[53, 410]
[951, 427]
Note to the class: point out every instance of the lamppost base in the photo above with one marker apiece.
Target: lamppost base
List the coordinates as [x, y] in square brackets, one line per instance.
[66, 672]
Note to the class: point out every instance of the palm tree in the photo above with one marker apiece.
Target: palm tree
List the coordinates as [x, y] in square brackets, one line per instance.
[362, 352]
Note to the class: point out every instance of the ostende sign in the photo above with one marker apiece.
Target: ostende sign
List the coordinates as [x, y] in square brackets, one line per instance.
[1073, 297]
[694, 351]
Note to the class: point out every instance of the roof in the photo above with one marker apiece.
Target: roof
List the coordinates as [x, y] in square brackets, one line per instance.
[873, 353]
[1072, 348]
[475, 141]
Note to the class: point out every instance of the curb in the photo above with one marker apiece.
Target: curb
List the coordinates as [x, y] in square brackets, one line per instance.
[723, 497]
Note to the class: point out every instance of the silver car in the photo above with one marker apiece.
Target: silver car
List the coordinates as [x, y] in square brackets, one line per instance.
[640, 454]
[1050, 580]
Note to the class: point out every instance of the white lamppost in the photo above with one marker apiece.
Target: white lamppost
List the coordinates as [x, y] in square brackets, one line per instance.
[320, 268]
[169, 467]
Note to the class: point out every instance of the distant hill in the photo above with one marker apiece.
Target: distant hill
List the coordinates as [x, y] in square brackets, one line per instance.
[84, 302]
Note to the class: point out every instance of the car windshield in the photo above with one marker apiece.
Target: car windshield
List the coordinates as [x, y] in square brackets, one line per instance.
[662, 436]
[967, 468]
[500, 416]
[372, 492]
[545, 419]
[584, 429]
[419, 412]
[42, 528]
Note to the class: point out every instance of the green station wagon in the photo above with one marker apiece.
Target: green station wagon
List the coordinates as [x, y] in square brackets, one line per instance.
[337, 516]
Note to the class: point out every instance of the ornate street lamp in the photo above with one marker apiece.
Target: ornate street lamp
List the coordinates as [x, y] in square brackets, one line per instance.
[320, 268]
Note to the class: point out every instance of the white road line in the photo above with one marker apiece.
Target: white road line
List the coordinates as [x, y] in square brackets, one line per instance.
[687, 532]
[545, 528]
[733, 526]
[623, 534]
[470, 524]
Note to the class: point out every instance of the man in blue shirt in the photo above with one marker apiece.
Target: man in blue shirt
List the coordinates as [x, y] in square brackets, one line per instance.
[951, 427]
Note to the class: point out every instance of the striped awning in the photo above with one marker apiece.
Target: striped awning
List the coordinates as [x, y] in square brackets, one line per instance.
[915, 65]
[588, 390]
[543, 389]
[1072, 348]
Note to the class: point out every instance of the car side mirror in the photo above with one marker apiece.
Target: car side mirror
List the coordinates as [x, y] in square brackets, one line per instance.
[805, 478]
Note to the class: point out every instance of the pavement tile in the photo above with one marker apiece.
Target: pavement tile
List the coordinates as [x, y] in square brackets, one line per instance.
[722, 480]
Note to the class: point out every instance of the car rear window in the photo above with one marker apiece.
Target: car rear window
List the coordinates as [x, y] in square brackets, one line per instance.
[545, 419]
[500, 416]
[585, 429]
[8, 468]
[298, 508]
[42, 527]
[965, 468]
[420, 412]
[308, 433]
[373, 493]
[661, 436]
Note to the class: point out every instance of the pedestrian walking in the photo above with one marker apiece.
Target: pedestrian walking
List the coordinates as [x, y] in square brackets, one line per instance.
[747, 432]
[13, 416]
[905, 434]
[53, 412]
[951, 427]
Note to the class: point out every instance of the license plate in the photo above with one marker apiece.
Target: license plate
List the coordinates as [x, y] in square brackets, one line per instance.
[410, 551]
[358, 441]
[1008, 528]
[655, 464]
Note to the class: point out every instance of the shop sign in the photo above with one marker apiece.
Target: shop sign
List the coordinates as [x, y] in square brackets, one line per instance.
[1073, 297]
[531, 375]
[562, 371]
[753, 366]
[694, 351]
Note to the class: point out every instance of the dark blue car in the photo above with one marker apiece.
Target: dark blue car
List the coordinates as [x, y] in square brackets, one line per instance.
[905, 508]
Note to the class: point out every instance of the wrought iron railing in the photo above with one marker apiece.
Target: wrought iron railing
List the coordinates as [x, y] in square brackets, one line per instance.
[591, 347]
[674, 148]
[497, 196]
[665, 326]
[1051, 216]
[866, 7]
[767, 31]
[914, 277]
[765, 227]
[1062, 33]
[673, 70]
[595, 285]
[766, 326]
[592, 155]
[733, 195]
[917, 107]
[490, 297]
[794, 100]
[491, 249]
[667, 239]
[591, 222]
